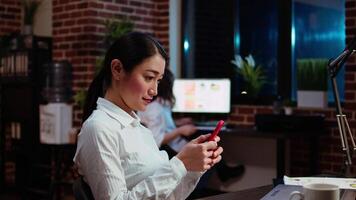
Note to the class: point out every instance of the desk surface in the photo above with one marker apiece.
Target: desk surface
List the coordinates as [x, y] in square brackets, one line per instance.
[249, 194]
[259, 192]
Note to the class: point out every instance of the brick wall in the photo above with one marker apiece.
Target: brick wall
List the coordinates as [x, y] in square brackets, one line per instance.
[329, 147]
[350, 77]
[78, 31]
[10, 16]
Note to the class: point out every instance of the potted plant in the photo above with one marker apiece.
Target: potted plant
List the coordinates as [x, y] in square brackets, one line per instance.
[312, 82]
[253, 76]
[288, 105]
[114, 30]
[29, 7]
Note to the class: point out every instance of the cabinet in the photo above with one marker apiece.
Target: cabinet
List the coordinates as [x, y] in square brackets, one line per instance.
[20, 96]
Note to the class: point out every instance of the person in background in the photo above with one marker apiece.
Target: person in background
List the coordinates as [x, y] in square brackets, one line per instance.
[117, 156]
[171, 135]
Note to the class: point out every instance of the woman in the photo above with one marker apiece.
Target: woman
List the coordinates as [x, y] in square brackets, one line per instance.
[116, 155]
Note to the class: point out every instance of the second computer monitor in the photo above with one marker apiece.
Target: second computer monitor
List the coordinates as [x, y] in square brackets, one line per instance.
[202, 95]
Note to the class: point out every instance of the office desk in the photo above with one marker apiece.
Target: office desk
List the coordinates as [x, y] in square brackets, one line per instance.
[280, 138]
[259, 192]
[249, 194]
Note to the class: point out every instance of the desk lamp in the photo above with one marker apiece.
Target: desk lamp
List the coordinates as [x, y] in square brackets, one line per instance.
[334, 67]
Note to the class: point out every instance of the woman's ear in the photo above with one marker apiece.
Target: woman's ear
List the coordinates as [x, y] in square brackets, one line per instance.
[116, 69]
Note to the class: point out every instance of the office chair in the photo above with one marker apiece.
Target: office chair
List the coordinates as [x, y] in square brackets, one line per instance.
[82, 190]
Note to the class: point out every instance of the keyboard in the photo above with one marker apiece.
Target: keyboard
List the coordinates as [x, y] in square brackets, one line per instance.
[209, 128]
[206, 123]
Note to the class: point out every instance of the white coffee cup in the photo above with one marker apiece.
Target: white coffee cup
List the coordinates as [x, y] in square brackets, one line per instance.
[317, 191]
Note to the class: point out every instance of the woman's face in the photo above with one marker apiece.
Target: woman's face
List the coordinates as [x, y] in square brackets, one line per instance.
[137, 88]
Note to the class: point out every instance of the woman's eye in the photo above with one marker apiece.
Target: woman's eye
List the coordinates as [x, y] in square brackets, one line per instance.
[149, 78]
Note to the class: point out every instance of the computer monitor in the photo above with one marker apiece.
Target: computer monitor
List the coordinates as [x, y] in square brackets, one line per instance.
[202, 95]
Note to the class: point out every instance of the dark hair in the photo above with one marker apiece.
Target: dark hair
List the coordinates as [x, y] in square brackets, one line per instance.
[131, 49]
[165, 87]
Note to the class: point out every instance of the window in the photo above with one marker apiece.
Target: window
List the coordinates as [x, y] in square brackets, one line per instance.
[318, 31]
[256, 33]
[275, 32]
[207, 38]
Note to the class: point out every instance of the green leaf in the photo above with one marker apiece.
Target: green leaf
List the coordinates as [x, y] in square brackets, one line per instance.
[79, 97]
[312, 74]
[116, 28]
[254, 78]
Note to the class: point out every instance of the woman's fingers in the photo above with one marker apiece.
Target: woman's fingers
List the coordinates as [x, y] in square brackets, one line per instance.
[201, 139]
[209, 154]
[207, 166]
[217, 139]
[216, 160]
[213, 153]
[217, 152]
[210, 162]
[213, 157]
[204, 138]
[211, 145]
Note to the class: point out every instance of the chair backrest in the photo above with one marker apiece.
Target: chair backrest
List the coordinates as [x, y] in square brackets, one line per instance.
[82, 190]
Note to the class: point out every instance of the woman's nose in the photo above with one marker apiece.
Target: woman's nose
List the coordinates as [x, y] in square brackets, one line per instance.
[152, 91]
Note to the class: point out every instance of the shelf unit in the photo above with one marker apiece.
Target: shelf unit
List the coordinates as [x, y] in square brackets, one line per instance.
[21, 77]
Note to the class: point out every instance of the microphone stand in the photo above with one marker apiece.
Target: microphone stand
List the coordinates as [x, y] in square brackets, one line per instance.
[344, 128]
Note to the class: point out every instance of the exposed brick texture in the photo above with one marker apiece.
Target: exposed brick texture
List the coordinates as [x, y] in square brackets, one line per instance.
[10, 16]
[350, 92]
[330, 155]
[78, 30]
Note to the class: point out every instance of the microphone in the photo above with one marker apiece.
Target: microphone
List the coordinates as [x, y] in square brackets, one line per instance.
[335, 65]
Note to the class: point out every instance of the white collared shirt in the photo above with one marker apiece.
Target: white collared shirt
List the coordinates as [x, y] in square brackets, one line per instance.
[119, 159]
[158, 118]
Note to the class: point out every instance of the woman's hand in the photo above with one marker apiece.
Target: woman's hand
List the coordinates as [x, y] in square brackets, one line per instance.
[200, 155]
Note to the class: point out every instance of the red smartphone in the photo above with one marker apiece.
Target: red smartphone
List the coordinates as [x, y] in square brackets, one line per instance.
[216, 131]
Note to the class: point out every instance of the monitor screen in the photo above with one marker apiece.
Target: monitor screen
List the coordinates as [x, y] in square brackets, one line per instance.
[202, 95]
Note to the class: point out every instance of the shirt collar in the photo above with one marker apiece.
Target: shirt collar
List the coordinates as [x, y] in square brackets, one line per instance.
[117, 113]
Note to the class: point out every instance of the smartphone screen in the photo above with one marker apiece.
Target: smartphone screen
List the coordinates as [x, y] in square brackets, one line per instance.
[216, 130]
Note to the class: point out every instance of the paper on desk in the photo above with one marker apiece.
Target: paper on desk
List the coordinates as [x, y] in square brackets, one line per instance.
[343, 183]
